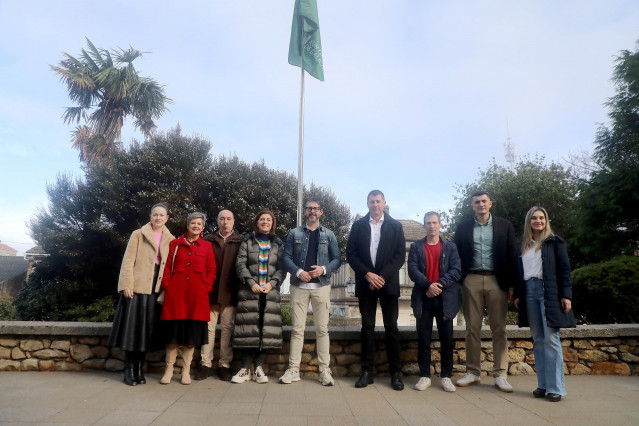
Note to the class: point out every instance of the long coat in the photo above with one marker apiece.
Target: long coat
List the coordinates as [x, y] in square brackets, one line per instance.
[187, 287]
[226, 280]
[138, 264]
[449, 276]
[557, 285]
[391, 254]
[247, 332]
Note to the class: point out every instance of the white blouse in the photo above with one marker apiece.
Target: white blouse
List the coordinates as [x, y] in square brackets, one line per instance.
[533, 267]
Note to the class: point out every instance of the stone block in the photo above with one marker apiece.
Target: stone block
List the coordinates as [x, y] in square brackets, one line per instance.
[62, 345]
[462, 356]
[611, 369]
[382, 368]
[94, 364]
[313, 361]
[89, 340]
[516, 355]
[435, 344]
[530, 359]
[308, 347]
[593, 355]
[628, 357]
[437, 369]
[410, 368]
[68, 366]
[347, 359]
[278, 358]
[9, 342]
[335, 348]
[520, 369]
[339, 371]
[112, 364]
[570, 354]
[355, 369]
[100, 351]
[609, 349]
[29, 365]
[46, 365]
[487, 366]
[613, 357]
[525, 344]
[46, 343]
[380, 357]
[409, 355]
[624, 348]
[156, 355]
[608, 342]
[50, 354]
[306, 357]
[16, 353]
[5, 353]
[81, 352]
[412, 345]
[460, 344]
[459, 368]
[31, 345]
[9, 365]
[118, 353]
[566, 342]
[435, 355]
[487, 344]
[487, 357]
[355, 348]
[581, 344]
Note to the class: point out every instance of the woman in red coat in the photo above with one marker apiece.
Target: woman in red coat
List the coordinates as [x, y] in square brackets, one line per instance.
[188, 278]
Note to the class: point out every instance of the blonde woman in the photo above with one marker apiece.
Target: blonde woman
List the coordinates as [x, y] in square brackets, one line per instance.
[544, 299]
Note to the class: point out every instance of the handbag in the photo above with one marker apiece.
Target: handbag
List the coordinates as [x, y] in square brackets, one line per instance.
[161, 296]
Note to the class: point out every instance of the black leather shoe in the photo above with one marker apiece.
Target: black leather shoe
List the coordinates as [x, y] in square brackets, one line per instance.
[202, 373]
[396, 381]
[138, 372]
[365, 379]
[539, 393]
[553, 397]
[225, 374]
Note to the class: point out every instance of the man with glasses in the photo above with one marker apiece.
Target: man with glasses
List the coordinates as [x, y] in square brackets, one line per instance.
[311, 254]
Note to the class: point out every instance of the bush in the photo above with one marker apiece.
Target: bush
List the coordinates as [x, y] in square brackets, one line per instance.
[286, 315]
[607, 292]
[7, 309]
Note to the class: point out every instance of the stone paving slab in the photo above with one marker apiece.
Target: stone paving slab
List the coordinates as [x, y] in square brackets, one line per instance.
[100, 398]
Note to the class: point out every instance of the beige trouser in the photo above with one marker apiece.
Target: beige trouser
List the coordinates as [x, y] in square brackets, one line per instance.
[226, 313]
[321, 302]
[479, 291]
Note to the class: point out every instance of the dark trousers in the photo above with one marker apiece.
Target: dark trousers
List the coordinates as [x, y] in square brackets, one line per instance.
[433, 308]
[390, 312]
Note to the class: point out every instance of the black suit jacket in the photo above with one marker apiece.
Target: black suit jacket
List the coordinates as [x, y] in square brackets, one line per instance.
[391, 254]
[504, 251]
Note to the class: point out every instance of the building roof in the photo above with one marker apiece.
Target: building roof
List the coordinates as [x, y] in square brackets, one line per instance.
[6, 247]
[12, 266]
[35, 250]
[413, 230]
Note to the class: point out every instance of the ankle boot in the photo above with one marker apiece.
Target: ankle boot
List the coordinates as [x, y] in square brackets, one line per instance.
[171, 355]
[129, 377]
[187, 357]
[138, 368]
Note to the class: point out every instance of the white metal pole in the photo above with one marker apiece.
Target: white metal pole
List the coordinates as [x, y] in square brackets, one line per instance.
[300, 156]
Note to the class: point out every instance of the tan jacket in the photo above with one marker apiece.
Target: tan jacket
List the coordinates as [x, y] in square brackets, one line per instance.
[138, 264]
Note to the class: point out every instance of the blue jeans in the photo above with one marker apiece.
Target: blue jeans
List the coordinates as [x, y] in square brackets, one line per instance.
[549, 359]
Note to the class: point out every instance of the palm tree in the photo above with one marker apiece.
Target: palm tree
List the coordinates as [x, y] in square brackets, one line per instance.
[107, 88]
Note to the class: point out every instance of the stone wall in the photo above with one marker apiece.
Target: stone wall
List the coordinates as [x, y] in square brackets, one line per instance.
[49, 346]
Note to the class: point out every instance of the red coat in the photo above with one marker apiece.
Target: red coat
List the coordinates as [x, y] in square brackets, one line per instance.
[186, 290]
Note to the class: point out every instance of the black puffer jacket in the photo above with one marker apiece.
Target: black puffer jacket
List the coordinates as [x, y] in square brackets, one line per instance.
[247, 333]
[557, 285]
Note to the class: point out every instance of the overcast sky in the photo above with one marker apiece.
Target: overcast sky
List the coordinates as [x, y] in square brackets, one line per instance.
[417, 95]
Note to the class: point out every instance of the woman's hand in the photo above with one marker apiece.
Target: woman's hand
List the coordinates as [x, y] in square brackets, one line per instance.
[256, 288]
[566, 304]
[267, 287]
[128, 293]
[517, 303]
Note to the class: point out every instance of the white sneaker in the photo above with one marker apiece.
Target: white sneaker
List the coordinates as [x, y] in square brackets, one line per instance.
[422, 384]
[326, 377]
[468, 379]
[448, 385]
[259, 375]
[243, 375]
[502, 384]
[290, 375]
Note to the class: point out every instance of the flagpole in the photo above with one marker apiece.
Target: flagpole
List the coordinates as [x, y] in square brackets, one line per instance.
[300, 155]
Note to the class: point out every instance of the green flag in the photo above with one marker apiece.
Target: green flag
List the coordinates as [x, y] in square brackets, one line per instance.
[305, 39]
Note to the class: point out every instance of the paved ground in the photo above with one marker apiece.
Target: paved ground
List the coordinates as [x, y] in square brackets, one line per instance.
[101, 398]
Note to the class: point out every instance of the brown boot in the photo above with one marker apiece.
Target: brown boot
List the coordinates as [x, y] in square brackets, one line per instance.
[171, 355]
[187, 357]
[202, 373]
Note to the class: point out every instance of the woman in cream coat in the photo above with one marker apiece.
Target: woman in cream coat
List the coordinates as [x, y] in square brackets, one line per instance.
[138, 312]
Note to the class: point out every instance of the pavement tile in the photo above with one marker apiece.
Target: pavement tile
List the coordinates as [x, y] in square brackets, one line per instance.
[281, 420]
[380, 420]
[232, 419]
[129, 417]
[332, 420]
[78, 416]
[238, 408]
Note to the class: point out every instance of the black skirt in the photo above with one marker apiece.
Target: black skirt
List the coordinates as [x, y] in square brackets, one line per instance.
[136, 324]
[185, 332]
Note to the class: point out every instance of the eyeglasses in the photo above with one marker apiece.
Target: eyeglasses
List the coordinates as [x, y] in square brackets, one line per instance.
[312, 209]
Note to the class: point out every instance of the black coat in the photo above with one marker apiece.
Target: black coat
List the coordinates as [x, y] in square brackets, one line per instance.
[557, 285]
[504, 251]
[391, 255]
[449, 276]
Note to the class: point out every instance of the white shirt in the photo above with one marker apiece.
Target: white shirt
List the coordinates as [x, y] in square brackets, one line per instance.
[376, 233]
[533, 267]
